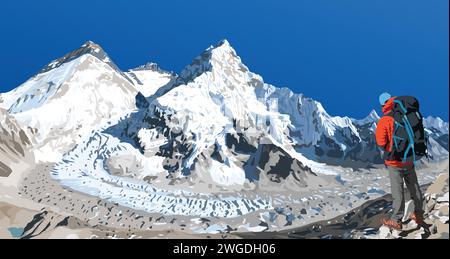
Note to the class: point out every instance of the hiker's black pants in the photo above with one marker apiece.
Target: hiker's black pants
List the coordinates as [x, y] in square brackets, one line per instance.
[400, 177]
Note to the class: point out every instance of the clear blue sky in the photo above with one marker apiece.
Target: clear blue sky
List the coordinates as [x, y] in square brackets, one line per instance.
[342, 53]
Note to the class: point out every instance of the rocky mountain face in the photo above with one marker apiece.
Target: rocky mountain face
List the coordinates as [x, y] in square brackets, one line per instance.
[437, 129]
[15, 143]
[321, 137]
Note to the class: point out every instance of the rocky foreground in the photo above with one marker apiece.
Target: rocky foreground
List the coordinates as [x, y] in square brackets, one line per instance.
[364, 222]
[436, 216]
[18, 220]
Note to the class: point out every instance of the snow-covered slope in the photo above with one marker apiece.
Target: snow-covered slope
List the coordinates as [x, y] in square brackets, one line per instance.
[372, 119]
[437, 130]
[149, 78]
[436, 123]
[315, 133]
[309, 119]
[3, 104]
[90, 48]
[69, 98]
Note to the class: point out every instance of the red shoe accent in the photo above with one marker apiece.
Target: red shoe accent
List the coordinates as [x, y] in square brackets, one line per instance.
[418, 218]
[392, 224]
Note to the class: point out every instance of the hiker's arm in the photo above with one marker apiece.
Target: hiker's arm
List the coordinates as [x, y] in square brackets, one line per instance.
[381, 134]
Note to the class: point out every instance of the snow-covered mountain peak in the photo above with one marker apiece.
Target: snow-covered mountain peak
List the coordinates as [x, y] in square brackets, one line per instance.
[92, 45]
[221, 57]
[219, 76]
[77, 93]
[436, 123]
[55, 82]
[223, 46]
[215, 101]
[373, 117]
[149, 78]
[150, 66]
[224, 54]
[87, 48]
[329, 123]
[311, 124]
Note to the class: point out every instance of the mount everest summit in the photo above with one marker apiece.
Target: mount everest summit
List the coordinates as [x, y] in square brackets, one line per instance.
[213, 141]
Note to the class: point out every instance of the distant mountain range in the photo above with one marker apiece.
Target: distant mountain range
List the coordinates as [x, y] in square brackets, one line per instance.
[215, 125]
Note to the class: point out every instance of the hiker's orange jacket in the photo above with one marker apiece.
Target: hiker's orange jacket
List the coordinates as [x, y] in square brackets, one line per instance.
[383, 134]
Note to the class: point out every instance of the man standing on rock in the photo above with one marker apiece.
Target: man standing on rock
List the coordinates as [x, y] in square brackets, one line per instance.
[399, 164]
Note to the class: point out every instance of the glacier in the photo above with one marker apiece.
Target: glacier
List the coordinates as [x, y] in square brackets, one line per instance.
[92, 177]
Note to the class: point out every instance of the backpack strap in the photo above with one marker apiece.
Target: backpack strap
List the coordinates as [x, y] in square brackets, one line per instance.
[410, 132]
[401, 105]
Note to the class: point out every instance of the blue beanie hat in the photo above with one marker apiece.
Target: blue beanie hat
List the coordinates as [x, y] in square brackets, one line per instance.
[384, 97]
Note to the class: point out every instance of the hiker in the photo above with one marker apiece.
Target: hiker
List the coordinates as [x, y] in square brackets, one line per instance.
[400, 136]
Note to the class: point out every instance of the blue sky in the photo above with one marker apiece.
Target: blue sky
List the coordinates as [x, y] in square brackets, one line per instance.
[341, 53]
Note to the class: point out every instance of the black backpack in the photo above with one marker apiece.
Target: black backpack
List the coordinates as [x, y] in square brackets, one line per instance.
[408, 139]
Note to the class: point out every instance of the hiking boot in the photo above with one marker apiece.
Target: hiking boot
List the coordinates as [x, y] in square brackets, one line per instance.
[397, 225]
[417, 217]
